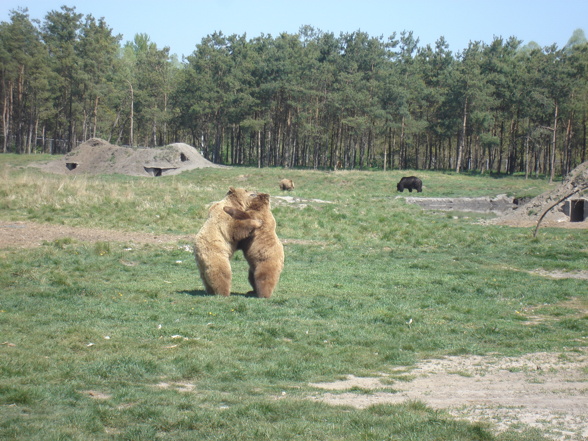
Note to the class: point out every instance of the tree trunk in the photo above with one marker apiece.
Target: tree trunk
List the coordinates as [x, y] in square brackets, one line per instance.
[95, 117]
[30, 137]
[154, 132]
[527, 156]
[132, 115]
[462, 137]
[553, 144]
[258, 137]
[512, 153]
[568, 147]
[6, 109]
[403, 160]
[35, 134]
[164, 128]
[386, 143]
[70, 134]
[584, 127]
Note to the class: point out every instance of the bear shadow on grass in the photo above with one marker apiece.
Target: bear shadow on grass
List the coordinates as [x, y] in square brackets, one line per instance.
[202, 293]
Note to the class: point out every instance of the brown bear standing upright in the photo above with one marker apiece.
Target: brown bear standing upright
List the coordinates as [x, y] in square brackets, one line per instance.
[262, 249]
[217, 240]
[286, 184]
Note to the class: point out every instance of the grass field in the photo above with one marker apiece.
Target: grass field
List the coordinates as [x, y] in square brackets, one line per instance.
[113, 340]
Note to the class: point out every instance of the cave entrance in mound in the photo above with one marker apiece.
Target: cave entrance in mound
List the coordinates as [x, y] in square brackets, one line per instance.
[578, 209]
[183, 158]
[71, 165]
[158, 171]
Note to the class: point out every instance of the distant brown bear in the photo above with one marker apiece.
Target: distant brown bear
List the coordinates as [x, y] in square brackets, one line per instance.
[217, 240]
[286, 184]
[262, 249]
[411, 183]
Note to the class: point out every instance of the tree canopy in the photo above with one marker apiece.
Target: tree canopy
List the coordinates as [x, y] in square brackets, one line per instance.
[310, 99]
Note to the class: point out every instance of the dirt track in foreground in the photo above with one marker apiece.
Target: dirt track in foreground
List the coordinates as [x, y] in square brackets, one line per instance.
[543, 390]
[31, 234]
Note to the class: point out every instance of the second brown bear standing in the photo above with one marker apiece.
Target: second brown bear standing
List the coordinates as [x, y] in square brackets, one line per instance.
[262, 249]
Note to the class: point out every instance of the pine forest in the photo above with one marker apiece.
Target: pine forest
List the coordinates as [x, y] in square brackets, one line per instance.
[310, 100]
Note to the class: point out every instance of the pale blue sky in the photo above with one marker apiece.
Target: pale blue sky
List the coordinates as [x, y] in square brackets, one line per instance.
[182, 24]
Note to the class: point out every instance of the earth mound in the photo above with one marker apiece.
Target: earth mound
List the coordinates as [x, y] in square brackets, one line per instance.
[97, 156]
[574, 187]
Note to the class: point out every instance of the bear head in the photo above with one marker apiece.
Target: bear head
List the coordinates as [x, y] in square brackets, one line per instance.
[239, 197]
[260, 202]
[256, 204]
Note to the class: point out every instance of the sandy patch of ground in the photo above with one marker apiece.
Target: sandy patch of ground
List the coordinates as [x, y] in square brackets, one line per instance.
[485, 204]
[555, 219]
[32, 234]
[543, 390]
[562, 274]
[297, 202]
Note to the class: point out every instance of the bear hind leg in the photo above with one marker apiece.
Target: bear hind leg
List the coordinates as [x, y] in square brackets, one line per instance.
[217, 279]
[266, 278]
[251, 278]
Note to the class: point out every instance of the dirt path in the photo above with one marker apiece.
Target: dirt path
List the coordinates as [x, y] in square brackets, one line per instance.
[31, 234]
[542, 390]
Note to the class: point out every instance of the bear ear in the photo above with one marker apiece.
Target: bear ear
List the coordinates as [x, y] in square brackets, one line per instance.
[231, 190]
[263, 197]
[235, 213]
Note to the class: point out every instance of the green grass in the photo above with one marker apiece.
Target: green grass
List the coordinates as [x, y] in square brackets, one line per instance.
[100, 340]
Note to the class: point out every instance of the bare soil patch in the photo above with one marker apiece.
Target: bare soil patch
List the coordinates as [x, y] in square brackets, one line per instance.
[297, 202]
[543, 390]
[32, 234]
[500, 204]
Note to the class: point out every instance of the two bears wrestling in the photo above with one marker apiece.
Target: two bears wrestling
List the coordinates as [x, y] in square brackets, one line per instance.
[241, 221]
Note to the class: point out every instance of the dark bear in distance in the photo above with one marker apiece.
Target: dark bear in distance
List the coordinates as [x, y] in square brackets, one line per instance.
[411, 183]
